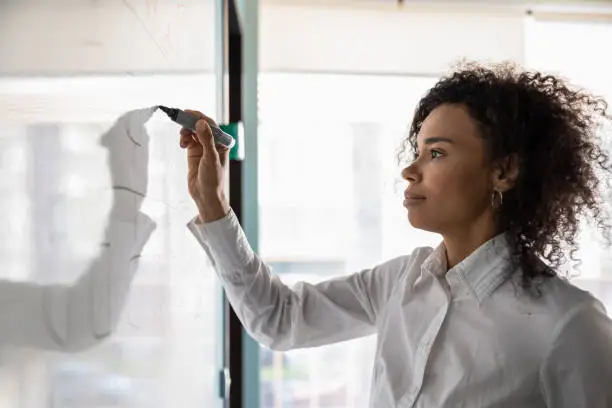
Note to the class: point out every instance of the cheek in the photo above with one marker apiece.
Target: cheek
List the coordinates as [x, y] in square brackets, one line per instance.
[458, 186]
[447, 179]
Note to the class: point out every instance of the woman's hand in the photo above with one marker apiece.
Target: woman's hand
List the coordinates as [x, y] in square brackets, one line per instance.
[206, 169]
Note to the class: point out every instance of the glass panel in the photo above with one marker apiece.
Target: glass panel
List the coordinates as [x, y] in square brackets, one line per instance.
[67, 71]
[55, 181]
[559, 46]
[329, 180]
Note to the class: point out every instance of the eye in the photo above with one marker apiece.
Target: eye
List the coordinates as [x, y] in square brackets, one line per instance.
[435, 154]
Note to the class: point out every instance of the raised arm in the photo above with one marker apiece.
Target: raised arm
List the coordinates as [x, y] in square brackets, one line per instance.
[306, 315]
[276, 315]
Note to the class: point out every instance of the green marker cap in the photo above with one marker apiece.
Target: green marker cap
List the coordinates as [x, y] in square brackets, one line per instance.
[235, 130]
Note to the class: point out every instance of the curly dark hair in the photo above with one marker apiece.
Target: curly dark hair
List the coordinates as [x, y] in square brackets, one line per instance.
[554, 129]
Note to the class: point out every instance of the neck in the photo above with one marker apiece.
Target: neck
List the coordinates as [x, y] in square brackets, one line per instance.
[461, 244]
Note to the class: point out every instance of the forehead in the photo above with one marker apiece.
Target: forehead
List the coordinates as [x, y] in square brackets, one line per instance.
[451, 121]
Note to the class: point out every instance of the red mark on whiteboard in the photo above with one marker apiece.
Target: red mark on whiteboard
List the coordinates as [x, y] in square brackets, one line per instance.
[167, 39]
[151, 5]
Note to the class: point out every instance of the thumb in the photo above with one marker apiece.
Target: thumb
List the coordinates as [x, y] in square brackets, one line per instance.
[206, 139]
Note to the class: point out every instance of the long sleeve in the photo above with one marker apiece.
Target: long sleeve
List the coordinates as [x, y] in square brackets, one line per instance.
[77, 316]
[281, 317]
[578, 369]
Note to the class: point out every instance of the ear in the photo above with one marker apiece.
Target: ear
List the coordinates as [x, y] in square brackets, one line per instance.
[505, 173]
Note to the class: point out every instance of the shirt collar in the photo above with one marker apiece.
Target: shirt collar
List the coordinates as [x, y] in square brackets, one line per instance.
[483, 271]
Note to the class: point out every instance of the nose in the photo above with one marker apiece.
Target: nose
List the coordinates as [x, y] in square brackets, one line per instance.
[411, 173]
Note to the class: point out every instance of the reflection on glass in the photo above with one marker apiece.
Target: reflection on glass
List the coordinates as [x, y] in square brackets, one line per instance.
[164, 352]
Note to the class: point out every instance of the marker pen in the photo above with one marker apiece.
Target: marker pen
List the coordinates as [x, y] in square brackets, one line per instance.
[189, 120]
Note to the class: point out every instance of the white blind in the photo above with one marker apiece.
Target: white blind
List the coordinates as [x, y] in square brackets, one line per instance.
[63, 37]
[114, 36]
[410, 40]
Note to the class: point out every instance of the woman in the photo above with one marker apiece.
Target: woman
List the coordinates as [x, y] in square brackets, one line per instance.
[505, 162]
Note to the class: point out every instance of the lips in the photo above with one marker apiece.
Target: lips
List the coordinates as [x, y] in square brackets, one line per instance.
[412, 199]
[409, 195]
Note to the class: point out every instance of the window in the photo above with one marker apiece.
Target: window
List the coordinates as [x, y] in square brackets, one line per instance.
[69, 69]
[329, 179]
[55, 190]
[570, 49]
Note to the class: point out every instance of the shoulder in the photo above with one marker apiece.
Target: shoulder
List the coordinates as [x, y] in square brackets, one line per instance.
[407, 264]
[554, 297]
[557, 305]
[577, 367]
[543, 310]
[579, 349]
[383, 280]
[575, 309]
[561, 298]
[401, 270]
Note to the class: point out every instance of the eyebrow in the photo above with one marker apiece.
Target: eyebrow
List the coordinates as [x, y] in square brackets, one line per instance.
[431, 140]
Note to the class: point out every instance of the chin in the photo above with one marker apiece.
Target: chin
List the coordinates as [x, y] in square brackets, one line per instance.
[418, 221]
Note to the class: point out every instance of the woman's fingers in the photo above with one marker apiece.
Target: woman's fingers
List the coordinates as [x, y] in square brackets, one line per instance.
[206, 139]
[223, 154]
[187, 137]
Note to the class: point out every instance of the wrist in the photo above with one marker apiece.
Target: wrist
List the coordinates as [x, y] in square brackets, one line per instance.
[212, 209]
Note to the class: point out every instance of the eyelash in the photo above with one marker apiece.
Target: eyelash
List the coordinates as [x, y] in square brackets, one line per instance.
[432, 151]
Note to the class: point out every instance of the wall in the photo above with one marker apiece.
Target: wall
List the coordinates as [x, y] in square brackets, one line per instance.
[137, 36]
[367, 39]
[111, 36]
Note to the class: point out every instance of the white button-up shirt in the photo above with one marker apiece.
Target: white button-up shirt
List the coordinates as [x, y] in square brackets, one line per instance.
[469, 337]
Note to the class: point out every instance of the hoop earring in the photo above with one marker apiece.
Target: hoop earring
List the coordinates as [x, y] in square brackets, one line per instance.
[495, 205]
